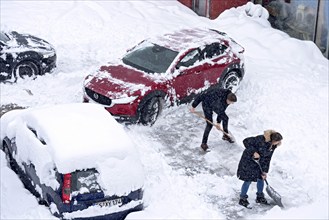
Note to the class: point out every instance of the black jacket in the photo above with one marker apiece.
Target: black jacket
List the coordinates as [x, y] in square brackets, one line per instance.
[248, 169]
[214, 100]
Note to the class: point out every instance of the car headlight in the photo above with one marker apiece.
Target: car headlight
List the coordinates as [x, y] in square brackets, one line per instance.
[47, 53]
[125, 100]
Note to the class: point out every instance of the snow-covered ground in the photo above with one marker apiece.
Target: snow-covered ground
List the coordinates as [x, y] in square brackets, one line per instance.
[285, 88]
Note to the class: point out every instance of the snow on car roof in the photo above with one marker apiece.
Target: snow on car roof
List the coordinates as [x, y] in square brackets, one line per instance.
[76, 136]
[187, 38]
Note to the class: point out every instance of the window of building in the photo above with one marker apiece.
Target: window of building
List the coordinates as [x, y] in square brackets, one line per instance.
[301, 19]
[322, 36]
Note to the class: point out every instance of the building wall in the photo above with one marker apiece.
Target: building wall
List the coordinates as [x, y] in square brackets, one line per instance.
[215, 7]
[218, 6]
[301, 19]
[188, 3]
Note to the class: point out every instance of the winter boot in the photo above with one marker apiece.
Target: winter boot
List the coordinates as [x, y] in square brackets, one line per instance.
[261, 199]
[204, 147]
[244, 201]
[227, 138]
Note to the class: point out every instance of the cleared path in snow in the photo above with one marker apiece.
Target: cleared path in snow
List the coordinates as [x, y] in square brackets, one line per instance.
[179, 133]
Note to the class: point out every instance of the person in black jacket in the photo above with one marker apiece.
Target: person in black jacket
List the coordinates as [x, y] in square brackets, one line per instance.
[259, 148]
[215, 100]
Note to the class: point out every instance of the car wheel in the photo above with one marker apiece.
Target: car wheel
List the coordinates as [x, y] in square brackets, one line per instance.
[231, 81]
[26, 69]
[151, 111]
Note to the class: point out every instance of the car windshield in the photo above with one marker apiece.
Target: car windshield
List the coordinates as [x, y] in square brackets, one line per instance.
[150, 58]
[4, 37]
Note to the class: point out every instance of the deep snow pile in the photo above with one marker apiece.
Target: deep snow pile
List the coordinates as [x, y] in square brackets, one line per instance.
[285, 88]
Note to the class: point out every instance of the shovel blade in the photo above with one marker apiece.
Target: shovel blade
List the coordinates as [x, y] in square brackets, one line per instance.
[274, 195]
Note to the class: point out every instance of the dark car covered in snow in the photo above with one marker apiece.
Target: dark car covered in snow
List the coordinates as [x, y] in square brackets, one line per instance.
[76, 159]
[24, 55]
[166, 70]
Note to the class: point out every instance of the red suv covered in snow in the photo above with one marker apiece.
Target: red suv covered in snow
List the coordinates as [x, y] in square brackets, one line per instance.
[170, 69]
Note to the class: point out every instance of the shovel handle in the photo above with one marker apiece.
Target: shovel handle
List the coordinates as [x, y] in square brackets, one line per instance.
[261, 170]
[219, 128]
[270, 191]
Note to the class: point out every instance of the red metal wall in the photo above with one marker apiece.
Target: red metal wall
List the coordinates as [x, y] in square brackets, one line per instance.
[188, 3]
[218, 6]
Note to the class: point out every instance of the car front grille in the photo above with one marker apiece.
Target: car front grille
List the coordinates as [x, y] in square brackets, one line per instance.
[98, 97]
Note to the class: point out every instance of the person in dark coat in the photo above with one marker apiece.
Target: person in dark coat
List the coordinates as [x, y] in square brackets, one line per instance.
[215, 100]
[259, 148]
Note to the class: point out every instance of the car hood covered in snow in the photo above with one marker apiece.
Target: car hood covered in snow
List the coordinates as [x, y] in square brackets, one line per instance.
[118, 81]
[25, 42]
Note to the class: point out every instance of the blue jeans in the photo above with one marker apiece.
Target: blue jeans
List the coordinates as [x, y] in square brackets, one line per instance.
[245, 187]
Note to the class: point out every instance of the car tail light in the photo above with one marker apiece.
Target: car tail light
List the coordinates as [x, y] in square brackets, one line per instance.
[66, 189]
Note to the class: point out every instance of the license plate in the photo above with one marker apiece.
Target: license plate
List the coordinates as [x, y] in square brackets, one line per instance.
[109, 203]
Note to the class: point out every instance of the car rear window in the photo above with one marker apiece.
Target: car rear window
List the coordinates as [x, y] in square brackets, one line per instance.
[85, 181]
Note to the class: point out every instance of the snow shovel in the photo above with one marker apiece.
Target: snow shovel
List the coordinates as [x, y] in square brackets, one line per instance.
[270, 191]
[219, 128]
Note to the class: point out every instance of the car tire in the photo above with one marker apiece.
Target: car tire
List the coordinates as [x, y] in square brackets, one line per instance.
[26, 69]
[231, 81]
[150, 111]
